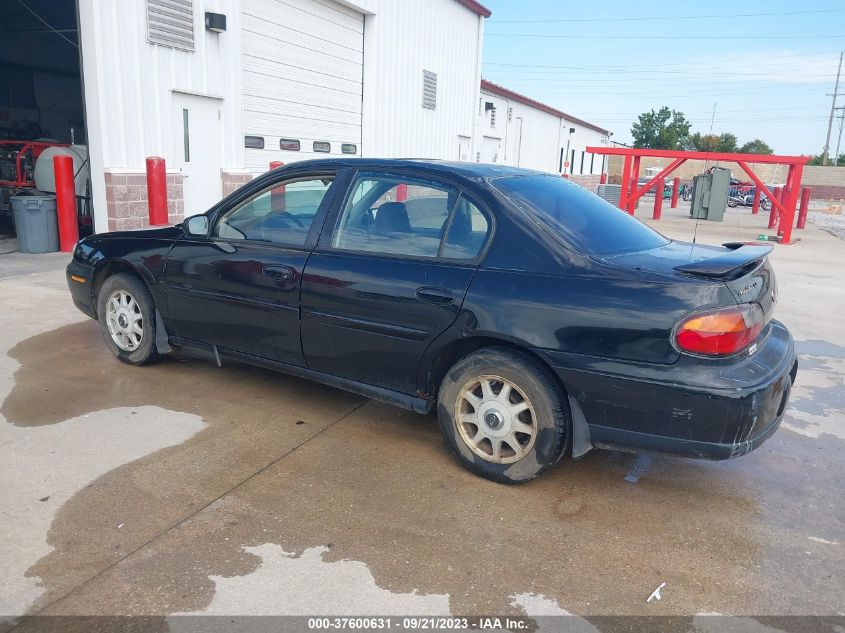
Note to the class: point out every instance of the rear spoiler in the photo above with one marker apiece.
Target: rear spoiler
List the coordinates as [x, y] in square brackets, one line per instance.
[741, 255]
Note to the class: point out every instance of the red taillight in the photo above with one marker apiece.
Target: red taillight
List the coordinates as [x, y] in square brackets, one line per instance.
[721, 332]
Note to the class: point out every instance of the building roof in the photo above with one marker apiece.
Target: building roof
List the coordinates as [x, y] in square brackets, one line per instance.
[476, 7]
[489, 86]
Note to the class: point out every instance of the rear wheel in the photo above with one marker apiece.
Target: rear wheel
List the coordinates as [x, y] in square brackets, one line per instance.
[766, 204]
[503, 415]
[126, 315]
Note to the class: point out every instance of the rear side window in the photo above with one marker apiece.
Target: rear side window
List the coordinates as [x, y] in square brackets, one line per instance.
[411, 217]
[591, 225]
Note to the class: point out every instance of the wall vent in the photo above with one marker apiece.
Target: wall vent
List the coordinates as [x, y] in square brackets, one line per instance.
[171, 23]
[429, 100]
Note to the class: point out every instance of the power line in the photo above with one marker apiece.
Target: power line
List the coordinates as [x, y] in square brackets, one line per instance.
[698, 64]
[667, 18]
[668, 37]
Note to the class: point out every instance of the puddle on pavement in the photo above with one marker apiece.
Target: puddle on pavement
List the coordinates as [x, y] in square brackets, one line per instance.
[379, 488]
[253, 416]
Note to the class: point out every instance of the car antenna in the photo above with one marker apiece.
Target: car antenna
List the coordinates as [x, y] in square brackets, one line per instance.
[709, 137]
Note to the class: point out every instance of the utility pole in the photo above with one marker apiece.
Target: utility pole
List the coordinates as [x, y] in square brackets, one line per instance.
[839, 140]
[832, 110]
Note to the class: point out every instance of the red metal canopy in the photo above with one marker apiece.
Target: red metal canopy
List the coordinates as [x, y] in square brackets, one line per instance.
[631, 173]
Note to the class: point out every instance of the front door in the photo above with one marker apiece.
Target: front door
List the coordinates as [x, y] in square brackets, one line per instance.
[238, 288]
[199, 151]
[388, 276]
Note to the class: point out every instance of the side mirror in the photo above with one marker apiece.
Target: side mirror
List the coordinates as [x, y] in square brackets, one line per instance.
[196, 225]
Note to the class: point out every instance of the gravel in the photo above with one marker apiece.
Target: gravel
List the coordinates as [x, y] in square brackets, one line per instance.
[833, 224]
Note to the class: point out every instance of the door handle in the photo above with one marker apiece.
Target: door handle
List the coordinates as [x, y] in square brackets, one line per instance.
[439, 296]
[280, 273]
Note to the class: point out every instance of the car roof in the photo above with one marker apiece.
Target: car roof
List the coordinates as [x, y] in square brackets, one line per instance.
[466, 169]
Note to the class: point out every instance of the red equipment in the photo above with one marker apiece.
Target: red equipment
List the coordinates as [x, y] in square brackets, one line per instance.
[631, 171]
[17, 161]
[157, 191]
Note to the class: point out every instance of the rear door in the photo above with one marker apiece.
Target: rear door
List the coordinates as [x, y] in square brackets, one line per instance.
[389, 274]
[238, 288]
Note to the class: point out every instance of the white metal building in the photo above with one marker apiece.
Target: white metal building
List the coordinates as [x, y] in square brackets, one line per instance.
[286, 80]
[517, 130]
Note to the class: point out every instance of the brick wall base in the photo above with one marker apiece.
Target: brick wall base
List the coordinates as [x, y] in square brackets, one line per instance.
[587, 181]
[126, 200]
[234, 180]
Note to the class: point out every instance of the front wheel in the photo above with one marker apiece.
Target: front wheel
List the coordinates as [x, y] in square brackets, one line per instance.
[503, 415]
[766, 204]
[126, 314]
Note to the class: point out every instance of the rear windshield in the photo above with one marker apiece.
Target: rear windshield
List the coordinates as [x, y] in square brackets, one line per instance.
[589, 224]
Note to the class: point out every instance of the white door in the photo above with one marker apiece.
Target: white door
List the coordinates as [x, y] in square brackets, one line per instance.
[199, 153]
[302, 80]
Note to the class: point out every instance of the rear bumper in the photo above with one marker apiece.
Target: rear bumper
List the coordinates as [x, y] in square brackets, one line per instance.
[79, 279]
[702, 408]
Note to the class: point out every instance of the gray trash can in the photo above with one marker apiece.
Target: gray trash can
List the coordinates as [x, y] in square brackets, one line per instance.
[36, 222]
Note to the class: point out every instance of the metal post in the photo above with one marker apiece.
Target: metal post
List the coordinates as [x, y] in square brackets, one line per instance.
[676, 189]
[788, 219]
[626, 182]
[401, 192]
[66, 203]
[805, 206]
[277, 194]
[773, 214]
[157, 191]
[635, 181]
[755, 206]
[658, 199]
[603, 178]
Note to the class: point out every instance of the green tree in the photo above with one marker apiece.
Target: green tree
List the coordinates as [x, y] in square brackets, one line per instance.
[725, 142]
[663, 129]
[756, 147]
[817, 160]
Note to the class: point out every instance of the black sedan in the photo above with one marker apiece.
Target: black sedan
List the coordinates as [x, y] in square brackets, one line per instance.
[536, 318]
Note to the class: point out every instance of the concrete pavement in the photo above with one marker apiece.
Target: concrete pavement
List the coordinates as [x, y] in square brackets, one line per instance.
[181, 488]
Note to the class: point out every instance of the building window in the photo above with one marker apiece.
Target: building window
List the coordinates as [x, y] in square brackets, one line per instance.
[582, 161]
[254, 142]
[429, 100]
[289, 144]
[171, 23]
[323, 147]
[349, 148]
[186, 135]
[572, 163]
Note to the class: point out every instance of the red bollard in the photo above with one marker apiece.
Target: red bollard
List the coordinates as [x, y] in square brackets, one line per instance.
[755, 205]
[805, 206]
[658, 199]
[277, 194]
[676, 190]
[157, 191]
[401, 193]
[603, 178]
[774, 213]
[66, 203]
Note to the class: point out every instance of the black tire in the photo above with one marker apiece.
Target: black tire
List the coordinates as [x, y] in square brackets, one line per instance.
[141, 351]
[766, 204]
[733, 203]
[548, 407]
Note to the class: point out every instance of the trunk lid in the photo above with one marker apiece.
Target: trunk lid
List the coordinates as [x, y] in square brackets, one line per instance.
[743, 268]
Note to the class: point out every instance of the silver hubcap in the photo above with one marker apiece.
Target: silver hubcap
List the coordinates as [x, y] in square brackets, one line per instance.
[495, 419]
[124, 320]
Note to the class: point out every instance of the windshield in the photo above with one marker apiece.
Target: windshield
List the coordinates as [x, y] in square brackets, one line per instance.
[591, 225]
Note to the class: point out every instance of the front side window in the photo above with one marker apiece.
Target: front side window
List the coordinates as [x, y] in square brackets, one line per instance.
[282, 214]
[411, 217]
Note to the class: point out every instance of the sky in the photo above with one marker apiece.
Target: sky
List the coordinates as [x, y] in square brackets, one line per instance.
[606, 62]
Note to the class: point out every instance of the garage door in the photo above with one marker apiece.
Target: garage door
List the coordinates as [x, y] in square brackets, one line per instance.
[302, 65]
